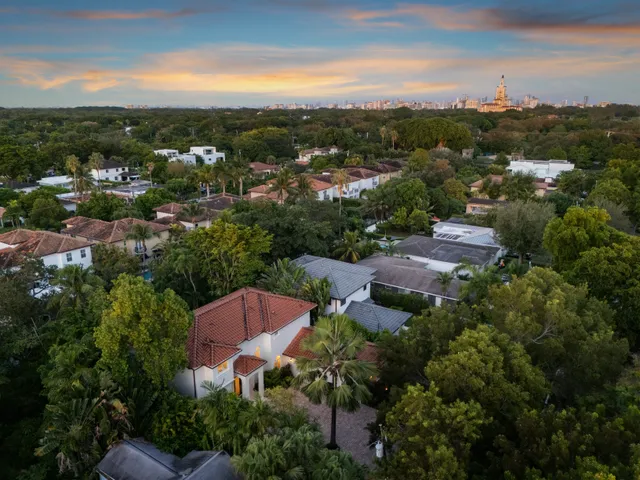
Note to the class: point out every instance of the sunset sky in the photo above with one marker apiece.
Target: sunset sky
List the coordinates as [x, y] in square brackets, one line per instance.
[259, 52]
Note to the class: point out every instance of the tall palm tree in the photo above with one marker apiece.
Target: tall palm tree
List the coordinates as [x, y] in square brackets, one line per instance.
[84, 180]
[283, 277]
[150, 167]
[190, 212]
[73, 165]
[304, 187]
[140, 233]
[318, 291]
[334, 375]
[375, 204]
[207, 176]
[283, 185]
[349, 248]
[96, 162]
[222, 174]
[445, 279]
[238, 173]
[339, 178]
[383, 134]
[75, 285]
[394, 138]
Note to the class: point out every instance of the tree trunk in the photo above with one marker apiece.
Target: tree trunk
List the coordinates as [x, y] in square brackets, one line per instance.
[224, 188]
[241, 185]
[520, 258]
[207, 189]
[333, 445]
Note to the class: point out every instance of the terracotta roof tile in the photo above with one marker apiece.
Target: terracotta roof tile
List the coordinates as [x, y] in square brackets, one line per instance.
[262, 167]
[36, 243]
[359, 172]
[240, 316]
[170, 208]
[246, 364]
[211, 354]
[108, 232]
[220, 201]
[295, 348]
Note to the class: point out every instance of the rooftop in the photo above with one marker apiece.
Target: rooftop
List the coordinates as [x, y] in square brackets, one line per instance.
[220, 201]
[111, 164]
[295, 349]
[38, 243]
[464, 233]
[376, 318]
[107, 232]
[409, 274]
[345, 278]
[262, 167]
[220, 326]
[169, 208]
[485, 201]
[246, 364]
[140, 460]
[446, 250]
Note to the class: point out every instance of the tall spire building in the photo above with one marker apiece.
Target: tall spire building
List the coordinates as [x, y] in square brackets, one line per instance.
[501, 102]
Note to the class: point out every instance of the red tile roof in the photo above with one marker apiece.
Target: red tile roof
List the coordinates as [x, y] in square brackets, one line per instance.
[295, 349]
[263, 167]
[170, 208]
[240, 316]
[37, 243]
[107, 232]
[211, 354]
[359, 172]
[245, 364]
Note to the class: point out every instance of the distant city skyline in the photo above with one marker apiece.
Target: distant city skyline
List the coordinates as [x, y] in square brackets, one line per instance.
[258, 53]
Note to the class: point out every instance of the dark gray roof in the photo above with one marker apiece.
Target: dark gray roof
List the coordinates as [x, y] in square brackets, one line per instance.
[345, 278]
[140, 460]
[409, 274]
[112, 164]
[447, 250]
[376, 318]
[16, 185]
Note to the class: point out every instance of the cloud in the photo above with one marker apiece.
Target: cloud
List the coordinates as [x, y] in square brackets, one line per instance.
[428, 87]
[125, 14]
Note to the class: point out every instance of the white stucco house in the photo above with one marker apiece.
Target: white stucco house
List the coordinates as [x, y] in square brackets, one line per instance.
[111, 171]
[541, 168]
[305, 156]
[175, 156]
[54, 249]
[234, 339]
[349, 282]
[63, 181]
[208, 154]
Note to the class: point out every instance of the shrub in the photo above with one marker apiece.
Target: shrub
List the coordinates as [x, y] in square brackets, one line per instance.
[278, 377]
[408, 302]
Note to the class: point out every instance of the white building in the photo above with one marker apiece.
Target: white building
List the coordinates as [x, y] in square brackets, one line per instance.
[236, 338]
[54, 249]
[175, 156]
[305, 156]
[349, 282]
[547, 169]
[111, 171]
[208, 154]
[63, 181]
[459, 232]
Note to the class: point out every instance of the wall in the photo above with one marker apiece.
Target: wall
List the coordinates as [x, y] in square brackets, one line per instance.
[130, 245]
[360, 295]
[60, 259]
[435, 265]
[162, 215]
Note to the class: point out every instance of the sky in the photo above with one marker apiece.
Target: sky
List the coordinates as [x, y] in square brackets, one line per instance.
[260, 52]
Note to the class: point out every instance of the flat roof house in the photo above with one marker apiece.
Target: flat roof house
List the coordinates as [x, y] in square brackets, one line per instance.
[401, 275]
[445, 255]
[349, 282]
[234, 339]
[458, 232]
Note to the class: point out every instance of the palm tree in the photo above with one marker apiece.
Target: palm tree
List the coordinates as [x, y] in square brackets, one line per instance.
[349, 249]
[445, 279]
[375, 204]
[84, 180]
[73, 165]
[394, 138]
[75, 286]
[283, 185]
[190, 212]
[222, 174]
[238, 173]
[339, 179]
[383, 134]
[476, 288]
[304, 187]
[140, 233]
[150, 167]
[96, 162]
[206, 175]
[318, 291]
[334, 375]
[283, 277]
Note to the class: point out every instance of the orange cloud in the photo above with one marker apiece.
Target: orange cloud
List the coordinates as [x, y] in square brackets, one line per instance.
[428, 87]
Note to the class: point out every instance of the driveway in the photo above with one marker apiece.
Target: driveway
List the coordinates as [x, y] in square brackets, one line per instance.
[352, 435]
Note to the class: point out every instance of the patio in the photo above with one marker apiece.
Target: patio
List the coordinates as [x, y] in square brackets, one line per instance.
[352, 434]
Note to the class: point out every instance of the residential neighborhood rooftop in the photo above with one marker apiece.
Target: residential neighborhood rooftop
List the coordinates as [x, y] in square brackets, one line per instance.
[345, 278]
[376, 318]
[296, 349]
[446, 250]
[107, 232]
[37, 243]
[220, 201]
[485, 201]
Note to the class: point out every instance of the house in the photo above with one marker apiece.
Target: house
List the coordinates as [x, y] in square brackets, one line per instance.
[402, 275]
[349, 282]
[208, 154]
[445, 255]
[131, 191]
[458, 232]
[262, 169]
[543, 186]
[175, 156]
[115, 232]
[220, 201]
[480, 206]
[174, 213]
[387, 171]
[234, 339]
[376, 318]
[54, 249]
[305, 156]
[541, 168]
[24, 187]
[351, 189]
[320, 184]
[62, 181]
[368, 178]
[70, 201]
[478, 185]
[140, 460]
[111, 171]
[295, 350]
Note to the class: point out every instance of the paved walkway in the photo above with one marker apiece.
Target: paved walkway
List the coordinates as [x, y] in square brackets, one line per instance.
[352, 434]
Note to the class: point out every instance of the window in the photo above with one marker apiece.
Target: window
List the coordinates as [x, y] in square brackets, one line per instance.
[83, 253]
[277, 362]
[364, 289]
[223, 366]
[117, 169]
[341, 302]
[107, 170]
[69, 256]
